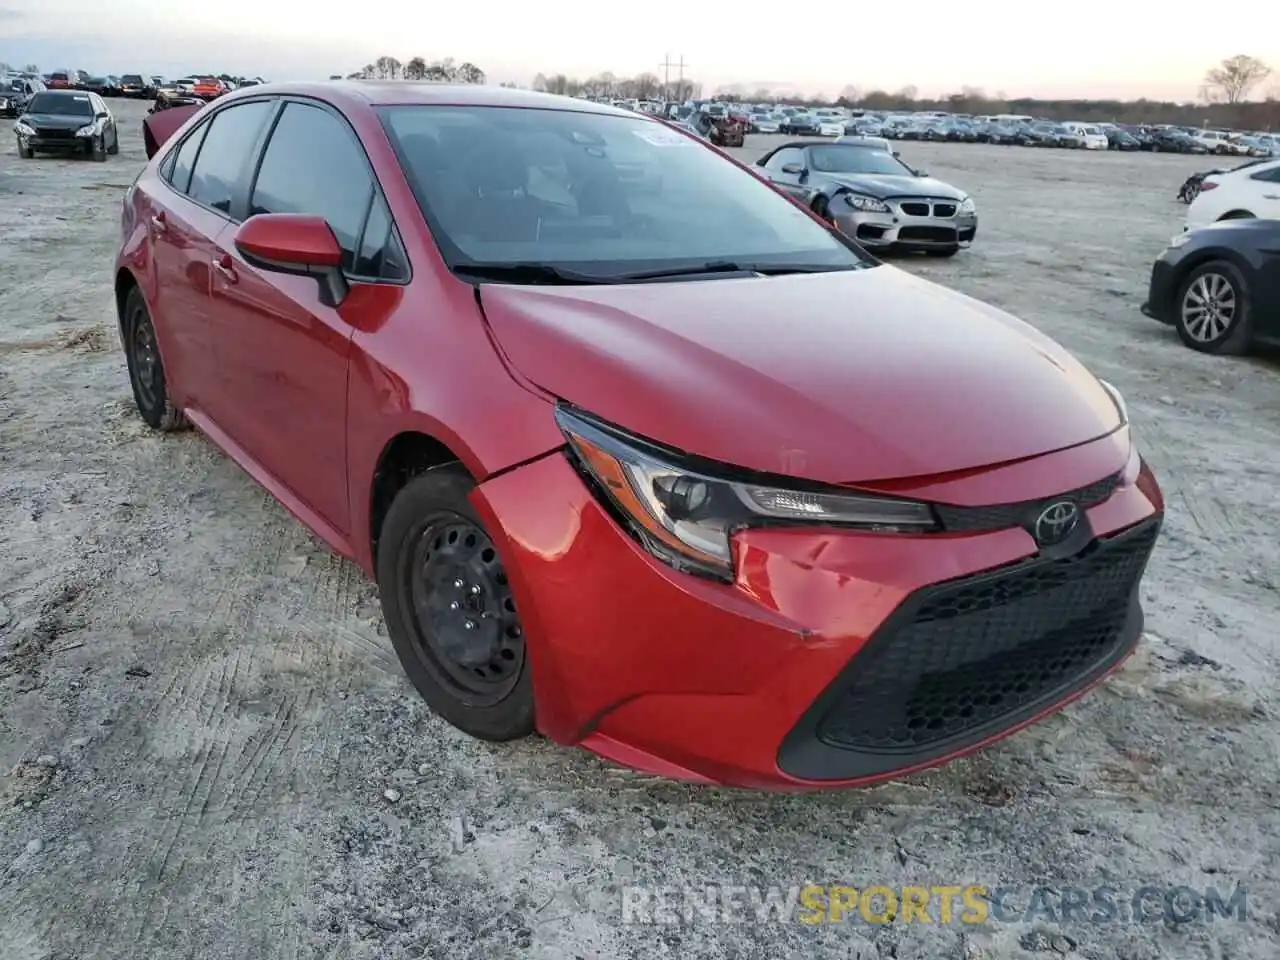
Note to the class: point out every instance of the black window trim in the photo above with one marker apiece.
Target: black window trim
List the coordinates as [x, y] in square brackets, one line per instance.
[232, 216]
[393, 234]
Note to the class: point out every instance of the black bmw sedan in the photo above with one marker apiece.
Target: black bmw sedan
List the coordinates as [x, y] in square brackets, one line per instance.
[1219, 286]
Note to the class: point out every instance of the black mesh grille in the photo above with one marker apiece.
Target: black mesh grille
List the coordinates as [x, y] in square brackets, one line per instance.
[915, 209]
[944, 210]
[928, 234]
[984, 648]
[1005, 515]
[45, 133]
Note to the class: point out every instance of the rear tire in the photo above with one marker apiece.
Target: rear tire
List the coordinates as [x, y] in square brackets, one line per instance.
[1213, 312]
[438, 572]
[146, 369]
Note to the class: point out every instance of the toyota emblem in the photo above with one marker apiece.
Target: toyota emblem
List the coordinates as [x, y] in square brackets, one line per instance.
[1056, 521]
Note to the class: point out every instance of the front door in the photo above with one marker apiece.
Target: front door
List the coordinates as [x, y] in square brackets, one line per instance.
[282, 354]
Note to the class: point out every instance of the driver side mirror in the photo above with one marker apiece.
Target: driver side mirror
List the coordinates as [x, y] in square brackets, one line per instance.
[921, 173]
[297, 244]
[796, 169]
[102, 115]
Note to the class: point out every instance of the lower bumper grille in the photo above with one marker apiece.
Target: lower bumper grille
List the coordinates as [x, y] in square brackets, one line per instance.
[928, 235]
[962, 661]
[45, 134]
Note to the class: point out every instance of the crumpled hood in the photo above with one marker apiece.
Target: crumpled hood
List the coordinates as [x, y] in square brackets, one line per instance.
[55, 121]
[844, 377]
[888, 186]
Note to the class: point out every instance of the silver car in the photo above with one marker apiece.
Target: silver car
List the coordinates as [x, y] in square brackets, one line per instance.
[869, 194]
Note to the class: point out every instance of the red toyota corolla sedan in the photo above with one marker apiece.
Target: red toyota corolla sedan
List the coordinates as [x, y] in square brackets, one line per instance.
[642, 455]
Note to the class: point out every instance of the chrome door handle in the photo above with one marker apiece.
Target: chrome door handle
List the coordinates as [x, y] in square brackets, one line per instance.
[227, 267]
[159, 223]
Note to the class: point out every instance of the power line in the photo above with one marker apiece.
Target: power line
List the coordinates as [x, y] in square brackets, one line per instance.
[666, 66]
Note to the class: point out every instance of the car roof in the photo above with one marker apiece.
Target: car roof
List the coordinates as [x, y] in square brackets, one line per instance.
[426, 93]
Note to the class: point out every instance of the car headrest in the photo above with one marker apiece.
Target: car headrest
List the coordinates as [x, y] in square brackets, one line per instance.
[493, 171]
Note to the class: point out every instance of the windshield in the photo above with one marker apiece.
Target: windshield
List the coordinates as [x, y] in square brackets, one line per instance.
[57, 104]
[598, 193]
[856, 158]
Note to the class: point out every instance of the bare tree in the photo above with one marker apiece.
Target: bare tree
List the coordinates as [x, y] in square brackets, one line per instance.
[470, 73]
[415, 69]
[1232, 80]
[31, 68]
[849, 94]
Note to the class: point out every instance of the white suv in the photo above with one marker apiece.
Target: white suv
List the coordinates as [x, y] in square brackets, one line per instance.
[1219, 141]
[1251, 190]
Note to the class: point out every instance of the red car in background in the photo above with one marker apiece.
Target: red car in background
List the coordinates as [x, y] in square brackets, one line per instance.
[672, 470]
[209, 88]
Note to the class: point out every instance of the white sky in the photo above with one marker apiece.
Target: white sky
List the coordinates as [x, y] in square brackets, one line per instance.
[1086, 48]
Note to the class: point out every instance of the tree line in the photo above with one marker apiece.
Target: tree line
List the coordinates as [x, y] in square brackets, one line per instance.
[417, 68]
[1224, 95]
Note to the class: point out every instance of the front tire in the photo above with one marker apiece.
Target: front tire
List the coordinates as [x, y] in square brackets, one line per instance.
[98, 149]
[449, 609]
[25, 152]
[1214, 312]
[146, 369]
[114, 149]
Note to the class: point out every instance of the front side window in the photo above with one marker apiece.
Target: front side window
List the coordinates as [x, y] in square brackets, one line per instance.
[600, 193]
[225, 154]
[783, 157]
[314, 165]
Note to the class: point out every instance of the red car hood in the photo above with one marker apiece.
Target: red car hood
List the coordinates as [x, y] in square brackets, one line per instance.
[839, 377]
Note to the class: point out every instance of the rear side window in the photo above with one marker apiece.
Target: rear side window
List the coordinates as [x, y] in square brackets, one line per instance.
[314, 165]
[1269, 176]
[233, 132]
[184, 158]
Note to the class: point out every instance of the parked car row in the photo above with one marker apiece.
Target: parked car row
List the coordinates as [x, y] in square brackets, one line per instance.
[1008, 129]
[138, 86]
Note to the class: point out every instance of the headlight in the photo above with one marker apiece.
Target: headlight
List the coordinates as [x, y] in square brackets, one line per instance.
[968, 206]
[1121, 407]
[684, 515]
[866, 204]
[88, 130]
[24, 130]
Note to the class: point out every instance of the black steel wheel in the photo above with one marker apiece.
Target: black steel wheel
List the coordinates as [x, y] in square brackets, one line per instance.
[146, 369]
[450, 611]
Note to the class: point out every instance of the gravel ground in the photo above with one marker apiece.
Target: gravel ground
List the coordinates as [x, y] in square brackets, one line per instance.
[207, 748]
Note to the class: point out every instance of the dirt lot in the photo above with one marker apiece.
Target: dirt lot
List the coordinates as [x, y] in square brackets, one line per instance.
[200, 715]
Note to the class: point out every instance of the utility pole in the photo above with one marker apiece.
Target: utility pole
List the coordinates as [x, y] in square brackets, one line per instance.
[666, 66]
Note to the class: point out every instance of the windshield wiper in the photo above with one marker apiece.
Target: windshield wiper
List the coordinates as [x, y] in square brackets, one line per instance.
[722, 267]
[527, 273]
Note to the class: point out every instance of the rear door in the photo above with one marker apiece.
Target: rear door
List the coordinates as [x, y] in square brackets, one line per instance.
[189, 209]
[282, 354]
[1265, 184]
